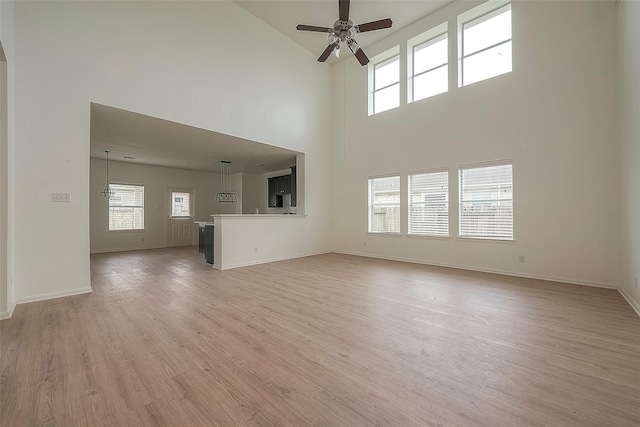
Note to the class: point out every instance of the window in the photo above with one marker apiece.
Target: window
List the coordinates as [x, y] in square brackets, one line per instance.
[485, 42]
[384, 205]
[126, 207]
[429, 204]
[180, 204]
[384, 81]
[486, 201]
[427, 66]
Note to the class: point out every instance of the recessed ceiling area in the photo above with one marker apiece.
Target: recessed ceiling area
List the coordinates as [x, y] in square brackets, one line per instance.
[285, 15]
[138, 138]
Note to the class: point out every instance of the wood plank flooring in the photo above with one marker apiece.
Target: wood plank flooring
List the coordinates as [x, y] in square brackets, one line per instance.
[330, 340]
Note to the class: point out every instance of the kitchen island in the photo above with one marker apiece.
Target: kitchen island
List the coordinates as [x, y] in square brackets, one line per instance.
[242, 240]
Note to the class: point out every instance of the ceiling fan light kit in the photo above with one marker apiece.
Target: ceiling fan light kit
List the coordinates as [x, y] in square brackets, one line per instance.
[343, 31]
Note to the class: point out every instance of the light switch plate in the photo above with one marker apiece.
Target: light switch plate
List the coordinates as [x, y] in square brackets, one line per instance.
[61, 197]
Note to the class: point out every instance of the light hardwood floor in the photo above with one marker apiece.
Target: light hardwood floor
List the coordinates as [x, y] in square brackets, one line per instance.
[330, 340]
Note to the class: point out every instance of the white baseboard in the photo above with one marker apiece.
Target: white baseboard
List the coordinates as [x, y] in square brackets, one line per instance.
[52, 295]
[265, 261]
[633, 303]
[487, 270]
[9, 313]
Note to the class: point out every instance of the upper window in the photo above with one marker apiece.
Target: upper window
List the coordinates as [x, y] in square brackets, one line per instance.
[384, 205]
[486, 201]
[429, 204]
[180, 206]
[428, 69]
[384, 82]
[126, 207]
[485, 42]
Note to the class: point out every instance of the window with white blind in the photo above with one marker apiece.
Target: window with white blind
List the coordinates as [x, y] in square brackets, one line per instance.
[486, 201]
[384, 81]
[180, 207]
[384, 205]
[126, 207]
[429, 204]
[485, 42]
[427, 64]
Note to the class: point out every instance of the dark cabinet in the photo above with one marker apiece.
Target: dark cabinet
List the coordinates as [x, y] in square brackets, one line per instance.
[275, 198]
[294, 188]
[201, 238]
[208, 248]
[281, 185]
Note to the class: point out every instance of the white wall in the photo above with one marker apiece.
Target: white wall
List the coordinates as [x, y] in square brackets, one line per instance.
[629, 111]
[7, 293]
[156, 181]
[250, 193]
[554, 115]
[171, 60]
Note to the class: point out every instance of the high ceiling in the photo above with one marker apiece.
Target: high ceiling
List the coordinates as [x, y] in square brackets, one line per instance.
[152, 141]
[284, 15]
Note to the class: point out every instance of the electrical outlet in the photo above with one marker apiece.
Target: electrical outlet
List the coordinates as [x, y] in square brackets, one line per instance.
[255, 249]
[61, 197]
[521, 258]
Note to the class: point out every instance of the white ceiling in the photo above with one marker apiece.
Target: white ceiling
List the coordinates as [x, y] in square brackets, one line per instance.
[284, 15]
[158, 142]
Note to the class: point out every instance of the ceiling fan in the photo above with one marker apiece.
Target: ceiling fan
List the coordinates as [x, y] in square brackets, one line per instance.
[344, 31]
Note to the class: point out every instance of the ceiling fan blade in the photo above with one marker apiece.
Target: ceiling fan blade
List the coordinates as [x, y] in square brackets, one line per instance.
[375, 25]
[362, 58]
[343, 6]
[302, 27]
[327, 52]
[357, 51]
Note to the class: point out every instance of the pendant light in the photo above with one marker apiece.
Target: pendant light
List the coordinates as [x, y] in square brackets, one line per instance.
[107, 191]
[225, 195]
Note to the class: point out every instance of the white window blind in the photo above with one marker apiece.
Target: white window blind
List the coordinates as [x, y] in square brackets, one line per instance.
[486, 45]
[386, 85]
[126, 207]
[384, 205]
[486, 201]
[180, 206]
[429, 204]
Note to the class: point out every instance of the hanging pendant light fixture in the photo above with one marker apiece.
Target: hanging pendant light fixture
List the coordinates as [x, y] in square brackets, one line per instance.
[226, 195]
[107, 191]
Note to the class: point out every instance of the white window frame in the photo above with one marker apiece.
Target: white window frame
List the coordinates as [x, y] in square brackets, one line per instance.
[483, 12]
[433, 233]
[431, 36]
[378, 61]
[371, 206]
[118, 230]
[461, 201]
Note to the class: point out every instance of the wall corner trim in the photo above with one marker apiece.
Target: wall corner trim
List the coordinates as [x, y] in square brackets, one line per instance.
[633, 303]
[52, 295]
[9, 313]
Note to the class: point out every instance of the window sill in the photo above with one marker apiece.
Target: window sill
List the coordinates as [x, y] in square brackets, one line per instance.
[371, 233]
[134, 230]
[486, 240]
[428, 236]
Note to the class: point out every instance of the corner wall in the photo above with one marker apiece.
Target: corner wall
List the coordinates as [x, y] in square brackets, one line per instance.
[7, 292]
[629, 113]
[171, 60]
[554, 116]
